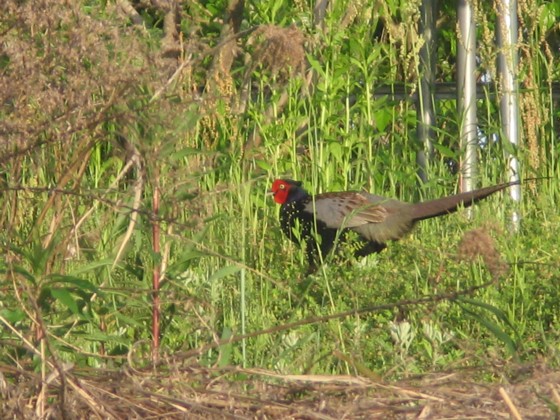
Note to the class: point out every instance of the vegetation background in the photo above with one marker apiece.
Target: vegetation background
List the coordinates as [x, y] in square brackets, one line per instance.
[137, 144]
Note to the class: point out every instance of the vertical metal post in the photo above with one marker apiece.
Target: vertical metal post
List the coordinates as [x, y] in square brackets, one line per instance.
[466, 93]
[508, 60]
[425, 106]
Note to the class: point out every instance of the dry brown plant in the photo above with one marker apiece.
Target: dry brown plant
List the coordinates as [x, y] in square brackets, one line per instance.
[279, 50]
[478, 244]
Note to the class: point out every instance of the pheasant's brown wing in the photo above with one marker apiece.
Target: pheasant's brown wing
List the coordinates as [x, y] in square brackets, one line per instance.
[346, 209]
[373, 217]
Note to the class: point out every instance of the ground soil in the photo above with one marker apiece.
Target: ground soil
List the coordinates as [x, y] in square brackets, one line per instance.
[189, 392]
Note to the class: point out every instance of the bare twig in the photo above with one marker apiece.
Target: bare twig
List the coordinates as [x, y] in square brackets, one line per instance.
[339, 315]
[135, 159]
[511, 406]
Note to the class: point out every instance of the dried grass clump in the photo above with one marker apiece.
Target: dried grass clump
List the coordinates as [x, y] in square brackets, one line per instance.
[279, 50]
[62, 73]
[477, 244]
[69, 81]
[178, 392]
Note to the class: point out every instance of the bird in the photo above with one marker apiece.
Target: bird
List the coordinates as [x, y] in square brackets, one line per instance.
[320, 221]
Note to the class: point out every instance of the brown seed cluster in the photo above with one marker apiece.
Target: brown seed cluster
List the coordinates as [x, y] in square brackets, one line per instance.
[280, 50]
[478, 243]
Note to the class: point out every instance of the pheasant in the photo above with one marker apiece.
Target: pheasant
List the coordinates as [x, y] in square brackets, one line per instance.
[321, 220]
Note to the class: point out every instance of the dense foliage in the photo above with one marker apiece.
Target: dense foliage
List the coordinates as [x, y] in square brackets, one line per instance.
[138, 141]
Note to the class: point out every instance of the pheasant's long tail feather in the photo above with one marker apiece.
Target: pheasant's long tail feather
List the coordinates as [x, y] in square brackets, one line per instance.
[450, 204]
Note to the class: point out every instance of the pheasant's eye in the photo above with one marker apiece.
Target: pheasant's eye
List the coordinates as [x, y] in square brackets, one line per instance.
[282, 186]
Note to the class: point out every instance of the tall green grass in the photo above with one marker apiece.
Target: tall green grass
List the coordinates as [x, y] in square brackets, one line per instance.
[227, 270]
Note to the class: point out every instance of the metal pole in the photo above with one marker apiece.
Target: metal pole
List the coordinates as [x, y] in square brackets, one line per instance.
[508, 88]
[425, 104]
[466, 93]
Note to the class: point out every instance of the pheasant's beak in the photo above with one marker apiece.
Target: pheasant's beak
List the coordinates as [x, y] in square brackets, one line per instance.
[270, 192]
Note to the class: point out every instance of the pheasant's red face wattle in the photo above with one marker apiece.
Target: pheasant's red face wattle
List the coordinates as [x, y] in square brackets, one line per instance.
[280, 189]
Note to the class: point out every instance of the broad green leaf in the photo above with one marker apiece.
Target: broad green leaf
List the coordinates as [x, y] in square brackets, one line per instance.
[106, 338]
[263, 165]
[335, 149]
[86, 268]
[316, 65]
[224, 272]
[23, 272]
[129, 320]
[499, 333]
[501, 315]
[13, 316]
[444, 150]
[226, 349]
[66, 298]
[78, 282]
